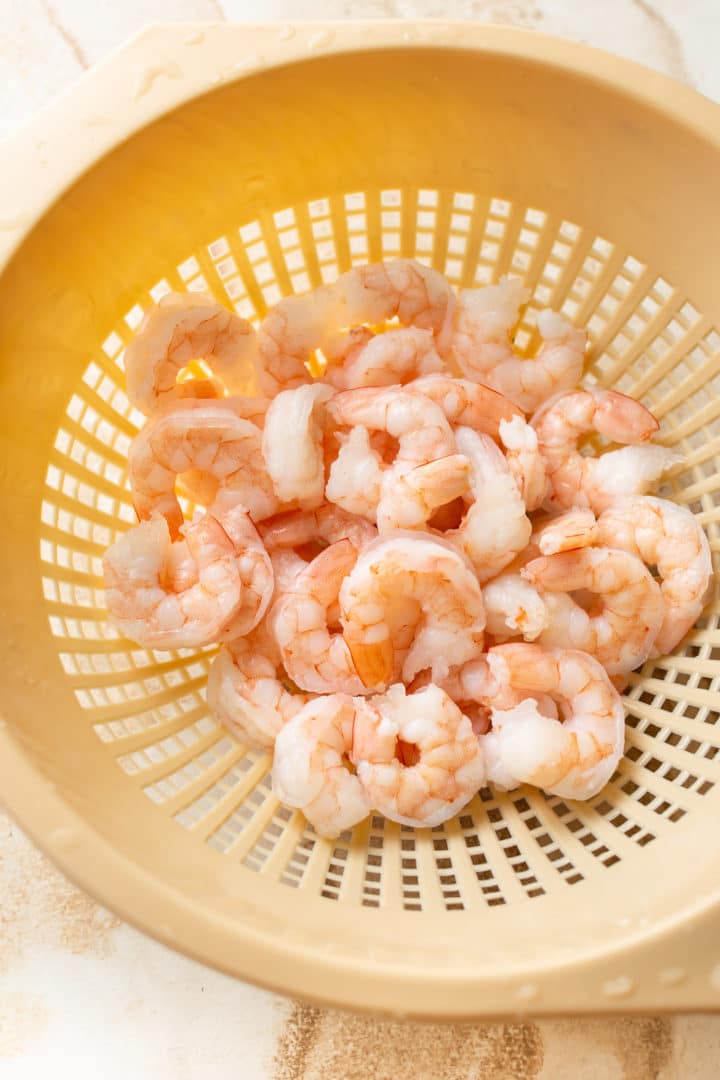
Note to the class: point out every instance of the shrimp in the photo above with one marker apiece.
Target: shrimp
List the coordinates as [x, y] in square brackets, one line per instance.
[574, 758]
[513, 606]
[422, 432]
[621, 633]
[671, 538]
[481, 325]
[557, 367]
[310, 770]
[410, 589]
[292, 444]
[213, 584]
[470, 404]
[299, 325]
[574, 528]
[387, 359]
[522, 453]
[185, 327]
[208, 440]
[315, 657]
[245, 693]
[475, 689]
[598, 482]
[416, 755]
[328, 523]
[495, 528]
[409, 500]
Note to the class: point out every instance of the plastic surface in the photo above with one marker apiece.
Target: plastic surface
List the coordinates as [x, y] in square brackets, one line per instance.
[483, 151]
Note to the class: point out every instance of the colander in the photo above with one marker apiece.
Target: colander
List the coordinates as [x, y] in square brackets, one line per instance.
[260, 161]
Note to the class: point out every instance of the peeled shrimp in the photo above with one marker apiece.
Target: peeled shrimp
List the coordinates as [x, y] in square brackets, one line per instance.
[572, 529]
[574, 758]
[671, 538]
[207, 439]
[212, 585]
[522, 453]
[475, 689]
[470, 404]
[598, 482]
[481, 323]
[416, 755]
[327, 523]
[387, 359]
[622, 632]
[558, 365]
[185, 327]
[357, 476]
[292, 444]
[410, 590]
[298, 325]
[495, 527]
[514, 607]
[246, 695]
[315, 657]
[309, 768]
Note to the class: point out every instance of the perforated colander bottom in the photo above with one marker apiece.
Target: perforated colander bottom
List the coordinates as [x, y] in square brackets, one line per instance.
[148, 707]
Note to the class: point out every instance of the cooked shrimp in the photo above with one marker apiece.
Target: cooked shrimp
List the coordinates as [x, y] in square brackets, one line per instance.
[481, 325]
[671, 538]
[185, 327]
[310, 770]
[475, 689]
[387, 359]
[598, 482]
[416, 755]
[522, 453]
[315, 657]
[495, 528]
[513, 606]
[328, 523]
[413, 590]
[573, 759]
[245, 694]
[409, 500]
[467, 403]
[213, 584]
[575, 528]
[208, 440]
[292, 444]
[355, 478]
[299, 325]
[621, 633]
[557, 367]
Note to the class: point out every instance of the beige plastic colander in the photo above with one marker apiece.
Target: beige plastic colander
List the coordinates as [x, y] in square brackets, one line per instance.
[254, 162]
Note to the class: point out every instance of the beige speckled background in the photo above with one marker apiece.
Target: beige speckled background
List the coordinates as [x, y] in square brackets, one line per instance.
[81, 991]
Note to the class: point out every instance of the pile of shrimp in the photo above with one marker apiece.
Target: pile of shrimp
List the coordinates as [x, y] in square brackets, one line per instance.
[419, 579]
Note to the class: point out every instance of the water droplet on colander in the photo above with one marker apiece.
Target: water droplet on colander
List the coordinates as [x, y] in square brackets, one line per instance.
[527, 992]
[619, 987]
[195, 37]
[286, 32]
[321, 40]
[146, 79]
[714, 978]
[672, 976]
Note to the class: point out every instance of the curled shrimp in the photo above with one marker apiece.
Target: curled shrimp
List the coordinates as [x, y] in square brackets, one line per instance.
[358, 475]
[522, 453]
[557, 367]
[671, 538]
[410, 594]
[328, 523]
[317, 658]
[310, 770]
[597, 482]
[467, 403]
[475, 689]
[396, 356]
[292, 444]
[416, 755]
[297, 326]
[574, 528]
[495, 527]
[573, 758]
[621, 633]
[245, 693]
[207, 441]
[214, 584]
[185, 327]
[514, 607]
[481, 323]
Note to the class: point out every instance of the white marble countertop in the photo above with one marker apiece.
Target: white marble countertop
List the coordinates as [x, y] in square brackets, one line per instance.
[79, 989]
